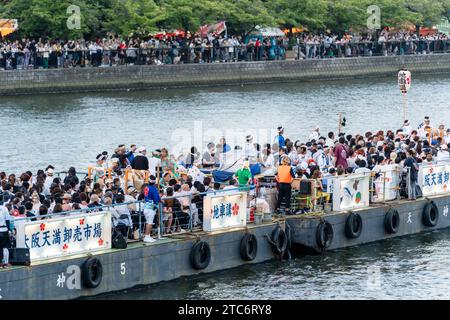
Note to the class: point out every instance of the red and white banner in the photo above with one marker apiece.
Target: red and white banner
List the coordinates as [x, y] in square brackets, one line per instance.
[217, 28]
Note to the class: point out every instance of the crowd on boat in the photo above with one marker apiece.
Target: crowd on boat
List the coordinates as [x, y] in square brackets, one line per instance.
[176, 184]
[152, 50]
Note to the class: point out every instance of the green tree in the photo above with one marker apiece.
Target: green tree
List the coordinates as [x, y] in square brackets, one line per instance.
[242, 16]
[428, 12]
[131, 16]
[189, 15]
[42, 18]
[306, 13]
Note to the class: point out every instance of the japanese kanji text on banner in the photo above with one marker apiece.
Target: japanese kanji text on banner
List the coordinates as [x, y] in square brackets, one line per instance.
[56, 237]
[224, 211]
[434, 179]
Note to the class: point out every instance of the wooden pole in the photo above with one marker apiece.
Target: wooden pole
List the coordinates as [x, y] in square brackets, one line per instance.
[340, 122]
[157, 177]
[405, 106]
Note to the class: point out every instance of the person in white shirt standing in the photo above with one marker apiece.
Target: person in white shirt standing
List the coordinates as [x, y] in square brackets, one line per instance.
[154, 162]
[447, 137]
[5, 227]
[315, 135]
[48, 181]
[406, 128]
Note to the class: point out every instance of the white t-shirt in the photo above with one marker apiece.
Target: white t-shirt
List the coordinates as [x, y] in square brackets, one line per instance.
[447, 139]
[153, 163]
[4, 216]
[47, 184]
[314, 136]
[269, 165]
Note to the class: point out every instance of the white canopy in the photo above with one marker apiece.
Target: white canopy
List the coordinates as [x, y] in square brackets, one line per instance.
[269, 31]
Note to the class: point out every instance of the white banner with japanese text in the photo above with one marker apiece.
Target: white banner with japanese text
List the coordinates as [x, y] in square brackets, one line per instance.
[434, 179]
[67, 235]
[224, 210]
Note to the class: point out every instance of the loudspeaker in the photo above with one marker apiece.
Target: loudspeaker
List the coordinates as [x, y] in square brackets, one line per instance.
[19, 256]
[305, 187]
[118, 240]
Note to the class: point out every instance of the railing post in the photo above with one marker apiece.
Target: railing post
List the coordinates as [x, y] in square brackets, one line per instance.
[140, 211]
[384, 186]
[161, 222]
[190, 213]
[408, 183]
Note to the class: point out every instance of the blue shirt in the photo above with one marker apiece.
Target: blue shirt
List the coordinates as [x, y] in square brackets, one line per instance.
[226, 148]
[281, 141]
[130, 156]
[152, 195]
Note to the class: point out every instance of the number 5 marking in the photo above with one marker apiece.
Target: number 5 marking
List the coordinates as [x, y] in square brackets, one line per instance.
[123, 268]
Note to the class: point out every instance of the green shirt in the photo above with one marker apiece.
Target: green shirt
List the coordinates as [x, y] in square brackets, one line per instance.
[243, 176]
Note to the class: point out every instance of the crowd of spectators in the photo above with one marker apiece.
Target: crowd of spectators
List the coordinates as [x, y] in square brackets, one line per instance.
[158, 50]
[112, 51]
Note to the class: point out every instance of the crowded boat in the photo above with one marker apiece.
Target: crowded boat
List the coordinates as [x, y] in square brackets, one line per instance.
[154, 193]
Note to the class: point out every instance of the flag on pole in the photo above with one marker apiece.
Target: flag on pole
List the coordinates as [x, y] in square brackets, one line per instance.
[8, 26]
[216, 28]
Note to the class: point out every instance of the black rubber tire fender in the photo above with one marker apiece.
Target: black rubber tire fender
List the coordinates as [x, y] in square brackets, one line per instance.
[280, 240]
[248, 247]
[200, 256]
[92, 272]
[353, 225]
[324, 234]
[430, 215]
[288, 231]
[283, 241]
[274, 237]
[392, 221]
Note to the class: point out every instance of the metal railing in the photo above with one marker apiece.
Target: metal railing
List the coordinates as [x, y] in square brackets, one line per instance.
[151, 55]
[321, 50]
[137, 216]
[317, 194]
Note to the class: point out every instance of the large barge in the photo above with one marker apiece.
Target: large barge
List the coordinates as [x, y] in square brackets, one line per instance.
[319, 232]
[367, 209]
[139, 264]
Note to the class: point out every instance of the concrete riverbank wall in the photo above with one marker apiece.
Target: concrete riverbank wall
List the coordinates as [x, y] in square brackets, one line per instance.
[19, 82]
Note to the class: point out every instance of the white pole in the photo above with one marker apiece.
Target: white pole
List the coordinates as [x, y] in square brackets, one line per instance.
[405, 106]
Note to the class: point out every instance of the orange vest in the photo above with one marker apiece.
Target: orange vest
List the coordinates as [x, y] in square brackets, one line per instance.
[284, 174]
[429, 134]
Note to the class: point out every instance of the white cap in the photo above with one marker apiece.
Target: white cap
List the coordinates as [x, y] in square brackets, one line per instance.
[141, 150]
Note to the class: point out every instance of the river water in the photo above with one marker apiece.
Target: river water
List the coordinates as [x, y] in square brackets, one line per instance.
[412, 267]
[66, 130]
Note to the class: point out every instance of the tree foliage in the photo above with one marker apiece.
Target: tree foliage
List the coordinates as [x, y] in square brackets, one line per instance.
[48, 18]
